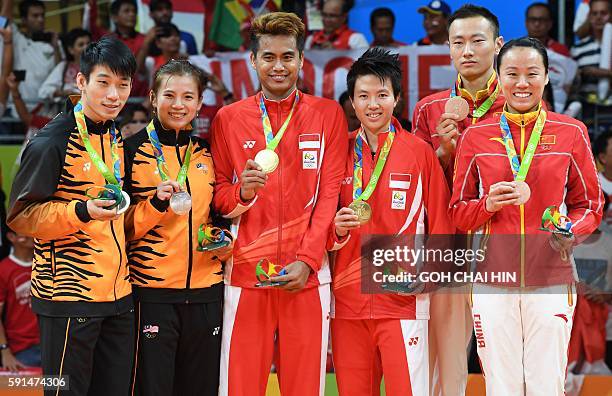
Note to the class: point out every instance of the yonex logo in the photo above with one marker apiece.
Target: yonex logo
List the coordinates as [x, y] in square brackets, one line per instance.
[216, 330]
[87, 167]
[413, 341]
[248, 144]
[347, 180]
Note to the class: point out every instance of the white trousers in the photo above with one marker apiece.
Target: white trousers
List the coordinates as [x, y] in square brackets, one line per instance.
[522, 337]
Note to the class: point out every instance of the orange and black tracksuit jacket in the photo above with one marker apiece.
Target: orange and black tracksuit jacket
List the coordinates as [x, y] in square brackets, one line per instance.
[165, 266]
[80, 266]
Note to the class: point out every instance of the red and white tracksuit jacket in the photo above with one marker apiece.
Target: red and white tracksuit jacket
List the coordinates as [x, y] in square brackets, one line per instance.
[562, 173]
[289, 218]
[410, 198]
[376, 335]
[428, 110]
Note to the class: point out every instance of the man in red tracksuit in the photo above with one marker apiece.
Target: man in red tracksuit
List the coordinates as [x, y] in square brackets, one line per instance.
[279, 162]
[474, 42]
[382, 334]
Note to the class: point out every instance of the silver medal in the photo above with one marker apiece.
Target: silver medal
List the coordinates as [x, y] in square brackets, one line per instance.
[180, 203]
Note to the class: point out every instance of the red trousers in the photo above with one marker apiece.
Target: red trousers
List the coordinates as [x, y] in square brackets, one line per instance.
[366, 350]
[253, 319]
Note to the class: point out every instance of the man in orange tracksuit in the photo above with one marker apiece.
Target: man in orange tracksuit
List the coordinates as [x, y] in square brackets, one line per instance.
[382, 334]
[474, 42]
[282, 204]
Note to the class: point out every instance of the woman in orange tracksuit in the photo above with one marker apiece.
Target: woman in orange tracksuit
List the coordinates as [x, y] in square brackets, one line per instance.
[509, 170]
[178, 288]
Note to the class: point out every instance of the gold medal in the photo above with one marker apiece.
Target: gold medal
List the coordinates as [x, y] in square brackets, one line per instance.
[524, 192]
[267, 159]
[457, 105]
[362, 210]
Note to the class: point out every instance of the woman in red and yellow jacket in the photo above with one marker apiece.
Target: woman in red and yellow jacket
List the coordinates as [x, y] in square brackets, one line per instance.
[176, 276]
[509, 170]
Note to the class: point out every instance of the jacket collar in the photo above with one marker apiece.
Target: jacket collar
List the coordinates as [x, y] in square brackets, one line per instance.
[522, 118]
[483, 93]
[170, 138]
[284, 104]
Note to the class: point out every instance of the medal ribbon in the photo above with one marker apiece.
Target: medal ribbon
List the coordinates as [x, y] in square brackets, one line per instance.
[111, 177]
[520, 169]
[485, 106]
[272, 141]
[358, 192]
[161, 162]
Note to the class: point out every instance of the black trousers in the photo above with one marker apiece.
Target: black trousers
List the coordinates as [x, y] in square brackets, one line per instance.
[96, 353]
[179, 348]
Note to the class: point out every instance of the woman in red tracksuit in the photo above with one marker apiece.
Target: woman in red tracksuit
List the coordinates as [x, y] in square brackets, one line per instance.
[377, 334]
[508, 171]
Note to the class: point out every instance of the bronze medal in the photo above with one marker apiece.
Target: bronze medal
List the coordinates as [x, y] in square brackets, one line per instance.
[524, 192]
[459, 106]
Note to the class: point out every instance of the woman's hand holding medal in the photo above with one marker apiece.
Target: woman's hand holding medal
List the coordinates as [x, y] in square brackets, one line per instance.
[166, 188]
[253, 179]
[501, 194]
[346, 220]
[97, 209]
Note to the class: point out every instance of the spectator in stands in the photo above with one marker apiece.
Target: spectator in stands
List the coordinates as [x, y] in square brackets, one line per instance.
[134, 118]
[168, 40]
[62, 80]
[539, 22]
[7, 65]
[336, 33]
[349, 112]
[35, 50]
[588, 53]
[602, 151]
[435, 22]
[123, 14]
[382, 23]
[19, 337]
[32, 119]
[161, 13]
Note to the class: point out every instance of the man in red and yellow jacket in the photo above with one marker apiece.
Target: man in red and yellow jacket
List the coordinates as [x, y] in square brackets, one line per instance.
[279, 160]
[474, 42]
[377, 333]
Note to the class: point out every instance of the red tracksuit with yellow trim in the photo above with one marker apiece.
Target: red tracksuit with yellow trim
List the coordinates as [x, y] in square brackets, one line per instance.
[288, 220]
[450, 306]
[523, 327]
[386, 334]
[428, 110]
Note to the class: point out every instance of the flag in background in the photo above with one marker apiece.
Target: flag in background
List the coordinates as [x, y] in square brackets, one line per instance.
[230, 14]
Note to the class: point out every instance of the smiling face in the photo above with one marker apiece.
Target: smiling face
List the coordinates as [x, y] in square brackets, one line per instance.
[104, 94]
[523, 77]
[176, 101]
[374, 102]
[278, 64]
[473, 46]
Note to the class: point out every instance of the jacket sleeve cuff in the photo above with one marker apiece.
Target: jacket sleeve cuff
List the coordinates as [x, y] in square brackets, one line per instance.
[313, 264]
[241, 205]
[158, 204]
[338, 241]
[80, 210]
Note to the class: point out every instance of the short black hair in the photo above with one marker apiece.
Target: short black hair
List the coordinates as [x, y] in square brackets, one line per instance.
[344, 96]
[472, 11]
[25, 5]
[523, 42]
[600, 144]
[71, 37]
[166, 29]
[382, 12]
[347, 5]
[110, 52]
[539, 4]
[116, 5]
[155, 4]
[379, 62]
